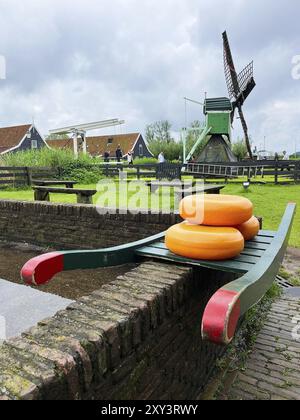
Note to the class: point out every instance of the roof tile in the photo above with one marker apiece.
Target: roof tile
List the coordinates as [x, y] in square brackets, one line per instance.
[11, 136]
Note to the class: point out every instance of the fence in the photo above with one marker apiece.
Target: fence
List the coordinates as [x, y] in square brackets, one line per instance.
[17, 177]
[149, 170]
[281, 171]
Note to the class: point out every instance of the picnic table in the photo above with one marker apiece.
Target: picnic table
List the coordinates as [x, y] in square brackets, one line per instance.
[47, 183]
[42, 193]
[199, 189]
[156, 185]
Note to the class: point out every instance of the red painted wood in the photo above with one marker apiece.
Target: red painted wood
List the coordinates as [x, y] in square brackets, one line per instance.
[42, 269]
[221, 317]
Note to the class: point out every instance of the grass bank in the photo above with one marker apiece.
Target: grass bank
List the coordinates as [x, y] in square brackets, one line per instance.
[269, 200]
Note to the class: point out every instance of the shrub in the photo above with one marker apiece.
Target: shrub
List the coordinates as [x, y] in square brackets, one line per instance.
[44, 158]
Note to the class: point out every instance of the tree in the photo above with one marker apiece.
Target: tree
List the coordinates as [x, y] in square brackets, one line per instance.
[160, 130]
[159, 139]
[240, 149]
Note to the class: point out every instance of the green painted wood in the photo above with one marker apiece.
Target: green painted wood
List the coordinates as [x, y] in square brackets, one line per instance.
[253, 252]
[109, 257]
[253, 285]
[253, 245]
[261, 240]
[268, 233]
[231, 266]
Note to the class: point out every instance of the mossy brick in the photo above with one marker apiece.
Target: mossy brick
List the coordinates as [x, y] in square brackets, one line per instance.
[15, 387]
[65, 363]
[90, 338]
[159, 290]
[153, 299]
[129, 325]
[66, 344]
[117, 329]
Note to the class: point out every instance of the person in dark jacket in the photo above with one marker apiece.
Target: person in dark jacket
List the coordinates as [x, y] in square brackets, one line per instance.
[119, 154]
[106, 157]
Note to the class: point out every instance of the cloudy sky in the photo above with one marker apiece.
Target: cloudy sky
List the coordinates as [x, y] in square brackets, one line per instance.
[77, 61]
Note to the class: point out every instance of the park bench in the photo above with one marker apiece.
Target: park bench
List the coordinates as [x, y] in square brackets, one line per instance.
[83, 196]
[156, 185]
[47, 183]
[255, 270]
[207, 189]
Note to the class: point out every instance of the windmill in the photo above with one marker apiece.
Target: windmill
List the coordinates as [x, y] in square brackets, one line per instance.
[239, 87]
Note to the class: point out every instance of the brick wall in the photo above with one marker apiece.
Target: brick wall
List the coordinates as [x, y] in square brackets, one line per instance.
[66, 226]
[136, 338]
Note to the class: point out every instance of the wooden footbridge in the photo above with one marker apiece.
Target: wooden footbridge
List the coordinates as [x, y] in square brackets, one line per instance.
[256, 268]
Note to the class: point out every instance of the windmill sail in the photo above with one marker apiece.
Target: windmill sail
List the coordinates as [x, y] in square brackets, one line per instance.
[239, 87]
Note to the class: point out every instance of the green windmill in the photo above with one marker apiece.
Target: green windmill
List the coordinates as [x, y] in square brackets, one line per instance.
[220, 112]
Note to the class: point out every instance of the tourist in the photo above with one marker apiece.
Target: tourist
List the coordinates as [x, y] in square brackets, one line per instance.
[130, 158]
[161, 158]
[106, 157]
[119, 154]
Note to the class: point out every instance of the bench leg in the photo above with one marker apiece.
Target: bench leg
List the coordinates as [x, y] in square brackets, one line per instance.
[41, 196]
[213, 192]
[84, 199]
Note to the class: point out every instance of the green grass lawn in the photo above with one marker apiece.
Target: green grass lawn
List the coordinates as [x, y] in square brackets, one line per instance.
[269, 201]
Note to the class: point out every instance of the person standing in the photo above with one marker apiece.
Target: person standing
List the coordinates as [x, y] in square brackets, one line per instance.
[130, 158]
[106, 157]
[119, 154]
[161, 158]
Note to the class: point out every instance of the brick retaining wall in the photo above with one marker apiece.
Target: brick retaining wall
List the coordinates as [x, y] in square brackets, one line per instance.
[136, 338]
[75, 226]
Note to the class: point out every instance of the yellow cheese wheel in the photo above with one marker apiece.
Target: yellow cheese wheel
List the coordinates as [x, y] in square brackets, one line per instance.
[204, 242]
[216, 210]
[249, 229]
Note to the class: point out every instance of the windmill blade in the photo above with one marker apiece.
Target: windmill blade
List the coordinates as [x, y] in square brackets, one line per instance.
[231, 75]
[246, 83]
[245, 78]
[245, 129]
[239, 87]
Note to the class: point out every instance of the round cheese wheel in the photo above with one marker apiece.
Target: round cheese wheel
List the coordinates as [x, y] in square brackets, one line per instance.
[249, 229]
[204, 242]
[216, 210]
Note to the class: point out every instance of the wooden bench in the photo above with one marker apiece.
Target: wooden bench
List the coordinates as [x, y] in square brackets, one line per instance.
[156, 185]
[255, 269]
[83, 196]
[204, 189]
[47, 183]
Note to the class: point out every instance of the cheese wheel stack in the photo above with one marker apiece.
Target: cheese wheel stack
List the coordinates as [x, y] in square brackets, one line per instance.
[215, 227]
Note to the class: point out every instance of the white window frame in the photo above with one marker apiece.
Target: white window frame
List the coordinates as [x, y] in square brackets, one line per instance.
[141, 150]
[34, 144]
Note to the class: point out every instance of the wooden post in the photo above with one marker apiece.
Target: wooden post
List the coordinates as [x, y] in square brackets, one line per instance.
[297, 171]
[29, 176]
[84, 199]
[276, 173]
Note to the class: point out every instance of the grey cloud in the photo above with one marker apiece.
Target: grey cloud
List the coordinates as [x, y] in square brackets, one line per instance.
[85, 60]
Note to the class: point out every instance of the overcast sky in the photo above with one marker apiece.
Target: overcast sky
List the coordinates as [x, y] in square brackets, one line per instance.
[77, 61]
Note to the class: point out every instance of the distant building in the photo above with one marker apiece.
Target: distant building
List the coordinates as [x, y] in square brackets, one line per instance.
[265, 155]
[20, 138]
[97, 146]
[295, 156]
